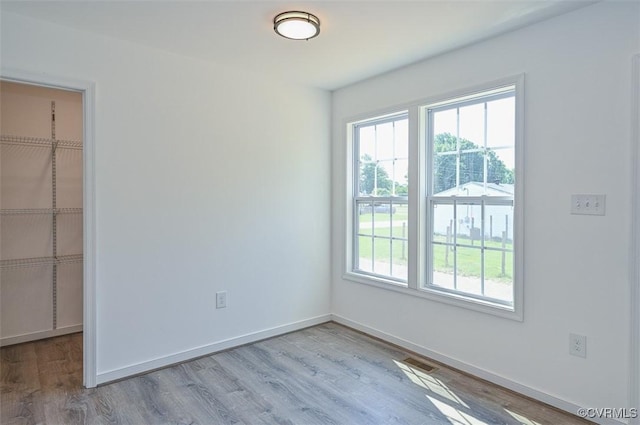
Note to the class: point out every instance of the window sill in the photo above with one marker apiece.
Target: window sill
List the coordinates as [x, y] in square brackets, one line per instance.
[439, 296]
[374, 280]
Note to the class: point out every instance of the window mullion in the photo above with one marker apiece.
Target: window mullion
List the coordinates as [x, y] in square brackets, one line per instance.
[485, 153]
[373, 237]
[393, 161]
[455, 244]
[457, 147]
[482, 252]
[355, 215]
[415, 201]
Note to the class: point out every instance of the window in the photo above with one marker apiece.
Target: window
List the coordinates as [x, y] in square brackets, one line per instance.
[461, 187]
[380, 202]
[470, 196]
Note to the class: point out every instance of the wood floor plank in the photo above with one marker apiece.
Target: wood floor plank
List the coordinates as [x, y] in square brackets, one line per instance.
[390, 397]
[246, 405]
[60, 374]
[113, 404]
[329, 383]
[327, 374]
[323, 387]
[204, 401]
[285, 395]
[20, 396]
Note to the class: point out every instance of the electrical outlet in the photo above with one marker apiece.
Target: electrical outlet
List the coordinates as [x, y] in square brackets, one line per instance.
[221, 299]
[578, 345]
[588, 204]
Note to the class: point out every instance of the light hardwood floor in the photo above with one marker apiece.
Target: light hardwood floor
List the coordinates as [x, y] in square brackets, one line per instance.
[327, 374]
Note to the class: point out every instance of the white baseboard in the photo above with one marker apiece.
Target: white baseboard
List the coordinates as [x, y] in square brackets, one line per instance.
[149, 365]
[472, 370]
[19, 339]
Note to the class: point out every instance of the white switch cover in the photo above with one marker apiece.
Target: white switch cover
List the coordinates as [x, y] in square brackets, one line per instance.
[221, 299]
[588, 204]
[578, 345]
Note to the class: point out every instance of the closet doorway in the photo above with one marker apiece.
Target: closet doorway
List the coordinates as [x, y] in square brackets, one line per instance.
[41, 212]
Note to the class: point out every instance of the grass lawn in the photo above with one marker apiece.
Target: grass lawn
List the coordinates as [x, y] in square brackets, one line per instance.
[468, 259]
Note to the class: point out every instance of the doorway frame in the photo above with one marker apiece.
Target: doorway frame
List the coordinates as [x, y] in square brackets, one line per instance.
[87, 88]
[634, 293]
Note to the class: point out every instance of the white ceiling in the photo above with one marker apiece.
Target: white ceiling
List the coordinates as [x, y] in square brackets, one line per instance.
[358, 38]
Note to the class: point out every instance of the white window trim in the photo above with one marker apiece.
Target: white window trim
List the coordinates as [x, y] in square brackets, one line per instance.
[417, 220]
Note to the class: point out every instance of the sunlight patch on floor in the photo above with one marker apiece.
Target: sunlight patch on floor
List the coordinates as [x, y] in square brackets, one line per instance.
[430, 383]
[523, 420]
[455, 416]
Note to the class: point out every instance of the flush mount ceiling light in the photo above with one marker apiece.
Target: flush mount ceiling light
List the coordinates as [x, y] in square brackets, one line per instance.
[296, 25]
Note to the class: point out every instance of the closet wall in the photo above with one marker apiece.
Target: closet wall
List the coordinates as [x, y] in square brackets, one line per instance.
[40, 212]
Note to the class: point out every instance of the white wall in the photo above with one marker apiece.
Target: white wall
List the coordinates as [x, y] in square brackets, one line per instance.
[207, 179]
[577, 132]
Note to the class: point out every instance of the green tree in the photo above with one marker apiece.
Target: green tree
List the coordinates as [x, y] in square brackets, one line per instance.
[372, 177]
[471, 164]
[402, 189]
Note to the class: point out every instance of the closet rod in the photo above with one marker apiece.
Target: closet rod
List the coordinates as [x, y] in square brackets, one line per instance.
[40, 261]
[40, 142]
[20, 211]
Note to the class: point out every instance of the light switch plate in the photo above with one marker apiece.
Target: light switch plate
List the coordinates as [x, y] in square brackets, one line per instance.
[221, 299]
[588, 204]
[578, 345]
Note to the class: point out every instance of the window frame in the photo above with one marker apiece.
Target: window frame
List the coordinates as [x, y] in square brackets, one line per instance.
[419, 215]
[357, 199]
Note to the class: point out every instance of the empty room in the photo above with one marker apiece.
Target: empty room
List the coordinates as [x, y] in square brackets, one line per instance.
[325, 212]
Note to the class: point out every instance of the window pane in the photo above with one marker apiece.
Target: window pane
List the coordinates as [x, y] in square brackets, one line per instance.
[368, 176]
[401, 212]
[382, 183]
[365, 216]
[498, 226]
[443, 224]
[468, 270]
[469, 217]
[367, 142]
[443, 256]
[382, 256]
[364, 255]
[401, 139]
[472, 170]
[445, 122]
[444, 173]
[498, 269]
[443, 262]
[501, 166]
[472, 124]
[383, 167]
[400, 177]
[384, 141]
[501, 122]
[399, 225]
[445, 142]
[386, 253]
[400, 253]
[383, 213]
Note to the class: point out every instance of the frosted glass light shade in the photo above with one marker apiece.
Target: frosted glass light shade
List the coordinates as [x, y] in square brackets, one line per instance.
[296, 25]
